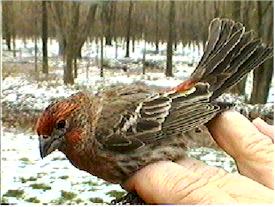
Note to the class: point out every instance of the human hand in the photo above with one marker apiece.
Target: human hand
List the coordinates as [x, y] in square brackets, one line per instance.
[190, 181]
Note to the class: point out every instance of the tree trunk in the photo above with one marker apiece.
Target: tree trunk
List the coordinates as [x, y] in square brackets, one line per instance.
[157, 27]
[45, 37]
[103, 31]
[116, 45]
[261, 83]
[169, 62]
[75, 67]
[262, 76]
[79, 49]
[108, 36]
[14, 44]
[144, 58]
[61, 45]
[71, 43]
[216, 9]
[35, 40]
[97, 51]
[114, 28]
[35, 52]
[84, 29]
[144, 48]
[101, 56]
[68, 70]
[236, 10]
[7, 22]
[108, 14]
[129, 29]
[108, 39]
[60, 13]
[133, 44]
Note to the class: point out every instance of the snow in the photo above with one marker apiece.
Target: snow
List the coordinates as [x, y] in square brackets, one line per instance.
[33, 95]
[21, 159]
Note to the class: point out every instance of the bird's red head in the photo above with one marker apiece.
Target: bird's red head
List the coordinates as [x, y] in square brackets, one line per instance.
[54, 124]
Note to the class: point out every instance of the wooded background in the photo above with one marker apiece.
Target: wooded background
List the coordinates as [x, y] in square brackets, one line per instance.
[172, 22]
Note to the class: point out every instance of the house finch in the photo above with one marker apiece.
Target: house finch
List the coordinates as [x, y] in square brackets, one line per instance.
[115, 133]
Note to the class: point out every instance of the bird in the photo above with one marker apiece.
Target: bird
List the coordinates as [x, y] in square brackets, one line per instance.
[115, 133]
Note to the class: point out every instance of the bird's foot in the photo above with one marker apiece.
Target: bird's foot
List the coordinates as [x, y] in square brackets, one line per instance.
[131, 198]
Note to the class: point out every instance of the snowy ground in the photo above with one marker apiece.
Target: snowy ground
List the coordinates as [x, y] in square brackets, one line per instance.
[27, 178]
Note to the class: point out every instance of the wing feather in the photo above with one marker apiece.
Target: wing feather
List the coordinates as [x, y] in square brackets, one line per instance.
[161, 116]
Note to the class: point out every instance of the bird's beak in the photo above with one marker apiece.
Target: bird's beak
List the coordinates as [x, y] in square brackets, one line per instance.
[48, 145]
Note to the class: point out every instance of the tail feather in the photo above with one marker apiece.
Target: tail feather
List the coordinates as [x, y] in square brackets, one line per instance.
[256, 59]
[219, 57]
[214, 34]
[231, 68]
[229, 55]
[227, 30]
[225, 64]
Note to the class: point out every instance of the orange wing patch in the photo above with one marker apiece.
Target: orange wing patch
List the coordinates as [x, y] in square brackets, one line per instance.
[186, 85]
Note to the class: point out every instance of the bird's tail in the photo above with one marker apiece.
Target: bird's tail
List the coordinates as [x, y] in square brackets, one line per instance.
[230, 54]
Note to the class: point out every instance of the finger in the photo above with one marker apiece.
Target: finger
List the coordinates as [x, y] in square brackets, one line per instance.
[198, 166]
[238, 136]
[265, 128]
[228, 182]
[252, 150]
[169, 183]
[190, 183]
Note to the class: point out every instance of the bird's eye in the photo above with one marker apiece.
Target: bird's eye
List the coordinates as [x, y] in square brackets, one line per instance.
[45, 136]
[61, 124]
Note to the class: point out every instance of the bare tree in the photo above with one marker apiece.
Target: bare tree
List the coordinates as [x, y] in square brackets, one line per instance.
[192, 22]
[7, 22]
[262, 77]
[157, 26]
[129, 22]
[34, 11]
[114, 28]
[72, 30]
[108, 14]
[103, 31]
[75, 67]
[45, 37]
[13, 32]
[145, 19]
[71, 44]
[171, 36]
[101, 56]
[216, 9]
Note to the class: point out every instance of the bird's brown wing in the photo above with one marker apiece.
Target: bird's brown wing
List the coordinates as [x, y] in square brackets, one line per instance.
[145, 120]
